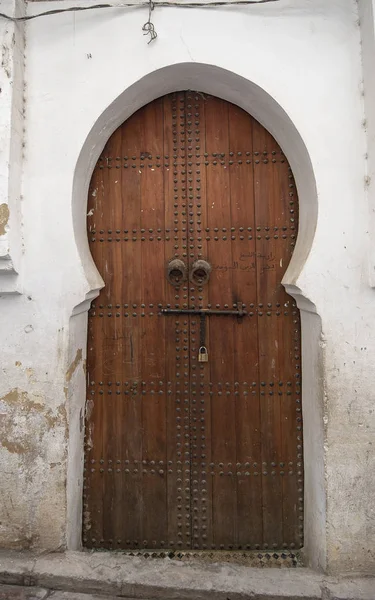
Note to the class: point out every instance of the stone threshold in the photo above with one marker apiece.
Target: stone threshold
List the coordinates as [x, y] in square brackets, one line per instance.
[118, 575]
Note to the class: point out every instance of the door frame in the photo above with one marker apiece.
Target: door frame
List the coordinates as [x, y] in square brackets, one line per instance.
[263, 107]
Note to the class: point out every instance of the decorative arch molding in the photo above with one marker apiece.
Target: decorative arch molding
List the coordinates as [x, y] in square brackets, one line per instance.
[223, 84]
[263, 107]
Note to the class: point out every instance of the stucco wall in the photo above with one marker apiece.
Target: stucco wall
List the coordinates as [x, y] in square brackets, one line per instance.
[85, 73]
[12, 98]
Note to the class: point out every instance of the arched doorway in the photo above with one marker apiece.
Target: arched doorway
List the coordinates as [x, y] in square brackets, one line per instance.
[194, 428]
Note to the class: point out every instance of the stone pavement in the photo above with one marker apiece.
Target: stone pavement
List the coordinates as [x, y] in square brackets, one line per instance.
[14, 592]
[105, 575]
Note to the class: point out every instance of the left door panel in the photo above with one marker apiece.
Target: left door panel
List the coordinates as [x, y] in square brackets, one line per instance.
[136, 491]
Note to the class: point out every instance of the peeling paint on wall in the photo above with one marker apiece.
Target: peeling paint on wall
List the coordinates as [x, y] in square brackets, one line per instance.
[32, 445]
[4, 218]
[74, 365]
[22, 413]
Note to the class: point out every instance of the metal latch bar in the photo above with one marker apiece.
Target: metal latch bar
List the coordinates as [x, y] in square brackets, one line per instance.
[203, 311]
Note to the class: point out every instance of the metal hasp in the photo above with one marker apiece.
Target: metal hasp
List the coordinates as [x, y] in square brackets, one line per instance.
[203, 313]
[240, 312]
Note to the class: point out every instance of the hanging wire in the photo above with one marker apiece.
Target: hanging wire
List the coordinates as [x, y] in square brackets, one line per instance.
[148, 28]
[134, 5]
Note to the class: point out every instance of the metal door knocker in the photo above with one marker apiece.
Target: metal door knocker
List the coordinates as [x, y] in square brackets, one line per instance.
[176, 272]
[200, 272]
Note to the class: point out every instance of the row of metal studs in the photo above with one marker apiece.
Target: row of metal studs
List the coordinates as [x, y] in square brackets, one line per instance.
[205, 154]
[168, 305]
[206, 163]
[151, 314]
[216, 238]
[189, 465]
[192, 230]
[219, 384]
[212, 473]
[160, 544]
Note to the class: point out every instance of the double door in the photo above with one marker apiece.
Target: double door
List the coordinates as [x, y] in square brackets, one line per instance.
[193, 414]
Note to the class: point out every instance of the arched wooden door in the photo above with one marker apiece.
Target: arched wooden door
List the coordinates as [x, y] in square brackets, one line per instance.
[190, 448]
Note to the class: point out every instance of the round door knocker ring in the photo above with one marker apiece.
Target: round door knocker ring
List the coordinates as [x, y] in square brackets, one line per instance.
[176, 272]
[200, 272]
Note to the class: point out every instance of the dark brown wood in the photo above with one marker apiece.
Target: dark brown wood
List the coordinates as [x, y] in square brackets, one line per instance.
[183, 454]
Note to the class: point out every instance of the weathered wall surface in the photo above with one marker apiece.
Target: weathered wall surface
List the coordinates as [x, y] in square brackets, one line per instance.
[306, 56]
[12, 59]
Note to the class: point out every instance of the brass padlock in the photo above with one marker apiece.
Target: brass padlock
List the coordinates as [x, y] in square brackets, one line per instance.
[202, 354]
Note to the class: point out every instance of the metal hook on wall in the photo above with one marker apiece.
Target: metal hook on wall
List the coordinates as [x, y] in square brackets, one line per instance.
[148, 27]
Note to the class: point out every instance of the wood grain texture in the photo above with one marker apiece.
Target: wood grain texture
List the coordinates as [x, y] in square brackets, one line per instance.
[182, 454]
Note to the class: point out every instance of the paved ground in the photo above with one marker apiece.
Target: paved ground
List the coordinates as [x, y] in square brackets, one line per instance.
[107, 575]
[14, 592]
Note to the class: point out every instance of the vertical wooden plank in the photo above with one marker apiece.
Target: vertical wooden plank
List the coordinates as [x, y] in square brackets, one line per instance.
[117, 435]
[246, 368]
[130, 375]
[112, 493]
[290, 363]
[221, 345]
[267, 211]
[177, 332]
[200, 401]
[152, 361]
[171, 191]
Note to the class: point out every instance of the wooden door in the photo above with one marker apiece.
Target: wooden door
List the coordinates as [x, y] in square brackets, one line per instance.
[183, 454]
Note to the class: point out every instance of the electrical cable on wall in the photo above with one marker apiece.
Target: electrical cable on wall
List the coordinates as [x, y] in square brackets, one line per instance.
[148, 28]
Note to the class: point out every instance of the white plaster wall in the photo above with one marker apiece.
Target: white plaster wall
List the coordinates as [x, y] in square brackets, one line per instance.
[306, 55]
[12, 36]
[366, 13]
